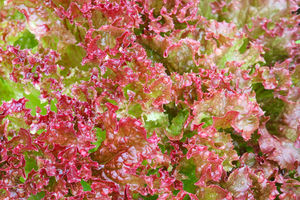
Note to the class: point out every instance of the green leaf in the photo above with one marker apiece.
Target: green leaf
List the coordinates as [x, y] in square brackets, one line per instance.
[153, 171]
[189, 170]
[135, 110]
[10, 90]
[206, 118]
[26, 40]
[135, 195]
[154, 197]
[298, 42]
[276, 51]
[240, 146]
[50, 42]
[273, 107]
[243, 48]
[30, 164]
[34, 101]
[40, 131]
[187, 134]
[101, 135]
[155, 120]
[71, 58]
[178, 122]
[125, 90]
[22, 179]
[112, 102]
[72, 69]
[205, 9]
[230, 54]
[85, 185]
[9, 138]
[138, 31]
[53, 105]
[38, 196]
[3, 193]
[6, 91]
[267, 100]
[17, 15]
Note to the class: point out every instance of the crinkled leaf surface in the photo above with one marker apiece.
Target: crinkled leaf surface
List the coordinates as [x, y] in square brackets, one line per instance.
[132, 99]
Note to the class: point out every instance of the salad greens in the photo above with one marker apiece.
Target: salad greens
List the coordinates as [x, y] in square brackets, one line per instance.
[149, 99]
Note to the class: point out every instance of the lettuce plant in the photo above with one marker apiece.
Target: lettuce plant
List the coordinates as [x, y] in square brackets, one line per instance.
[149, 99]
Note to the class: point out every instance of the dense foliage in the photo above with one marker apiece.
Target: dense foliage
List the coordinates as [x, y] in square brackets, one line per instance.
[149, 99]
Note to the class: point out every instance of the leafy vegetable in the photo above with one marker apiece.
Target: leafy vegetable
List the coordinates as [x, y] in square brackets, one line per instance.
[26, 40]
[38, 196]
[85, 186]
[131, 99]
[100, 134]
